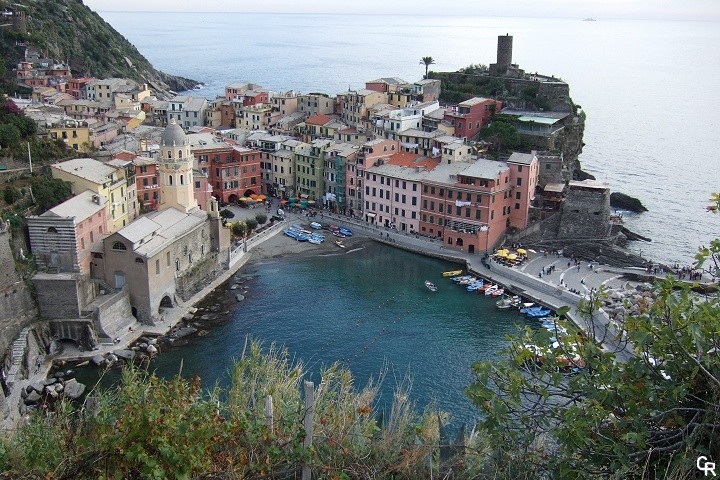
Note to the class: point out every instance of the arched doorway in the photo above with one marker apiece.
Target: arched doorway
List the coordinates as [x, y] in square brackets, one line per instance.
[248, 192]
[166, 302]
[119, 279]
[459, 242]
[233, 198]
[450, 240]
[133, 310]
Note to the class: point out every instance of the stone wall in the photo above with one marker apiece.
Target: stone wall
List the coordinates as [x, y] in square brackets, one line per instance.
[113, 317]
[585, 214]
[198, 276]
[17, 307]
[57, 296]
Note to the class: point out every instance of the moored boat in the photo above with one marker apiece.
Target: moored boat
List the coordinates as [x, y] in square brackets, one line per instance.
[430, 286]
[451, 273]
[488, 291]
[504, 303]
[497, 292]
[339, 243]
[315, 225]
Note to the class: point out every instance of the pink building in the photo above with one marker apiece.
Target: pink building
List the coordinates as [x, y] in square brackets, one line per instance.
[355, 170]
[76, 87]
[524, 170]
[468, 117]
[393, 190]
[202, 189]
[63, 237]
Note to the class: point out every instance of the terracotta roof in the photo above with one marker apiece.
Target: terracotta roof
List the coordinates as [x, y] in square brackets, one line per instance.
[412, 160]
[318, 119]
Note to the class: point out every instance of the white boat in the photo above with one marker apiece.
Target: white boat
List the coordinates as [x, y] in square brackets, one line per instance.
[504, 303]
[430, 286]
[489, 290]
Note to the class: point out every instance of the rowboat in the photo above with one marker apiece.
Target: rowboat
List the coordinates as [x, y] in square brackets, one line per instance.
[497, 292]
[490, 289]
[451, 273]
[339, 243]
[430, 286]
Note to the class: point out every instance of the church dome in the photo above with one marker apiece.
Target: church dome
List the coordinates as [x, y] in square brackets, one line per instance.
[173, 136]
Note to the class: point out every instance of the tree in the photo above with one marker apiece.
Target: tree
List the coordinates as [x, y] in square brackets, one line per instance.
[646, 416]
[10, 194]
[261, 218]
[225, 213]
[9, 135]
[427, 61]
[239, 229]
[251, 224]
[502, 134]
[49, 192]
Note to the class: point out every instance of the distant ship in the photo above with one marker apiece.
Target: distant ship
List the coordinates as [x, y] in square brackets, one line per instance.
[589, 19]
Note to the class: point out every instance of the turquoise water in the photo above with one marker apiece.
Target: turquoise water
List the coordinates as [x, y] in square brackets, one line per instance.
[368, 309]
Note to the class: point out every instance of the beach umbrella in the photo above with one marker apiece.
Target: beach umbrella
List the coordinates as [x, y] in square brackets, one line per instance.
[501, 253]
[261, 197]
[283, 202]
[522, 251]
[512, 256]
[243, 199]
[254, 196]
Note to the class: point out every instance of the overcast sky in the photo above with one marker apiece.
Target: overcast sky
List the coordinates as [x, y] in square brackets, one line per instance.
[599, 9]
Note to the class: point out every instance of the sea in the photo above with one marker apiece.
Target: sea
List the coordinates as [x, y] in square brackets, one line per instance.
[650, 93]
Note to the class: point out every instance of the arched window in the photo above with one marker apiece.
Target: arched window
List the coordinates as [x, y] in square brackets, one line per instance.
[170, 180]
[179, 153]
[177, 264]
[52, 230]
[169, 154]
[202, 249]
[139, 260]
[119, 246]
[182, 179]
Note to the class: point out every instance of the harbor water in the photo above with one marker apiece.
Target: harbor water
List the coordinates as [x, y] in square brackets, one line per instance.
[368, 309]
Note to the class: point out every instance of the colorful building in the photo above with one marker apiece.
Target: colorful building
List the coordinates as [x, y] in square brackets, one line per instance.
[468, 117]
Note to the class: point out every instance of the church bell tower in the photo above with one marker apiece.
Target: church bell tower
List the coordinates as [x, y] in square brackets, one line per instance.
[175, 168]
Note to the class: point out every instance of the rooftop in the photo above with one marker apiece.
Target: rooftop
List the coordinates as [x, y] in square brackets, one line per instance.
[87, 168]
[523, 158]
[151, 233]
[474, 101]
[79, 207]
[480, 168]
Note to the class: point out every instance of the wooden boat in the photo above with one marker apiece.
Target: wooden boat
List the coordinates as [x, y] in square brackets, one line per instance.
[490, 289]
[460, 278]
[345, 231]
[339, 243]
[504, 303]
[497, 292]
[430, 286]
[315, 225]
[452, 273]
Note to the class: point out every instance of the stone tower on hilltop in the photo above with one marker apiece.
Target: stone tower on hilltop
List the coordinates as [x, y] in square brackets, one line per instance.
[504, 66]
[176, 170]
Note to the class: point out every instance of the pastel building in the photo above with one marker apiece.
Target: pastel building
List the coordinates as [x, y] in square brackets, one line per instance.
[393, 190]
[108, 181]
[468, 117]
[63, 238]
[524, 170]
[355, 170]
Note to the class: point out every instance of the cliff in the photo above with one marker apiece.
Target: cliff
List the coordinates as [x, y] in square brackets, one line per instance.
[69, 31]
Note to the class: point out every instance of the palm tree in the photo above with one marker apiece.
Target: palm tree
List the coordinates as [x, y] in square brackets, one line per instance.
[427, 61]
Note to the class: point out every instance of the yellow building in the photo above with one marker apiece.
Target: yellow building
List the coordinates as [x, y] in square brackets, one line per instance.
[106, 180]
[75, 134]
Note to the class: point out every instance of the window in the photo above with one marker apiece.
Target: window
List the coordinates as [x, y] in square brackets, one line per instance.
[548, 166]
[414, 187]
[177, 264]
[519, 182]
[424, 204]
[414, 201]
[52, 230]
[168, 258]
[197, 184]
[432, 190]
[517, 206]
[519, 168]
[157, 267]
[441, 207]
[139, 260]
[477, 215]
[432, 206]
[467, 213]
[450, 194]
[492, 214]
[442, 192]
[397, 197]
[425, 189]
[119, 246]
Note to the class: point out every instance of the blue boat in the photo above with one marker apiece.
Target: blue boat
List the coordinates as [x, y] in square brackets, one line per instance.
[474, 286]
[345, 231]
[530, 309]
[538, 313]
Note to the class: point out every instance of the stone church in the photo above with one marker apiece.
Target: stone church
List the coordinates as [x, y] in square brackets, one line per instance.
[150, 255]
[156, 262]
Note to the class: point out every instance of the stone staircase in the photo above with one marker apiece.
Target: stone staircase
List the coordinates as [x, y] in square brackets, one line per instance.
[19, 347]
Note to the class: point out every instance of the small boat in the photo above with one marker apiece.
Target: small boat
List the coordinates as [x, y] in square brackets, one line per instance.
[345, 231]
[538, 313]
[315, 225]
[314, 240]
[318, 236]
[337, 233]
[430, 286]
[452, 273]
[474, 286]
[460, 278]
[468, 280]
[339, 243]
[497, 292]
[504, 303]
[489, 290]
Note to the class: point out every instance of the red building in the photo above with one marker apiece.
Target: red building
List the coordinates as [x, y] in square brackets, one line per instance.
[147, 181]
[468, 117]
[232, 173]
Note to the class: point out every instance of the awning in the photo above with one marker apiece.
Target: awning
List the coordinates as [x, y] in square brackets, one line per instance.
[370, 215]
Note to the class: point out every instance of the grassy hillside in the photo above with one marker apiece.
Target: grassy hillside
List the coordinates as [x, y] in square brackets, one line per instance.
[67, 30]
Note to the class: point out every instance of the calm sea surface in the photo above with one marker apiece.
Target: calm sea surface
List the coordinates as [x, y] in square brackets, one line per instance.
[326, 309]
[651, 97]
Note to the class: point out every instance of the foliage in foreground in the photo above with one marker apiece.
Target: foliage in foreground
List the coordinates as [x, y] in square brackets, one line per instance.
[154, 428]
[647, 416]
